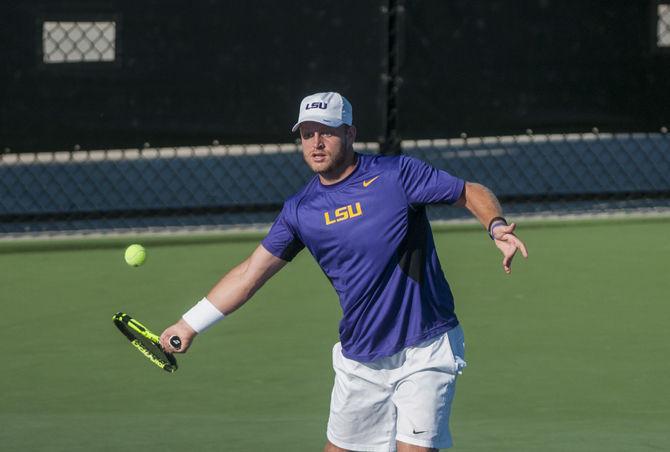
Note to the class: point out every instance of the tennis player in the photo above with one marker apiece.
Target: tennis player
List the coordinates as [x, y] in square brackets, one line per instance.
[363, 218]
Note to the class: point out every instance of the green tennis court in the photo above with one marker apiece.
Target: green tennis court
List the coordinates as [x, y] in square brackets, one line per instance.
[569, 353]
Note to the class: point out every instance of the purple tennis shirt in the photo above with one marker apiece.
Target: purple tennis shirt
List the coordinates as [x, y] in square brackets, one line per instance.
[371, 237]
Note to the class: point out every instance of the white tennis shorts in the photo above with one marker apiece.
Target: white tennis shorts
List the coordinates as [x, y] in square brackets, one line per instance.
[405, 397]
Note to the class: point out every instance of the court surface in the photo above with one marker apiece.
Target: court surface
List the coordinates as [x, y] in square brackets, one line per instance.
[570, 353]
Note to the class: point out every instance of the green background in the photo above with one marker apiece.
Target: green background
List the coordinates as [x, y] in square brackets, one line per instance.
[569, 353]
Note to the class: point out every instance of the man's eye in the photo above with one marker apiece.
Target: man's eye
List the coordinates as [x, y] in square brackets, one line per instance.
[307, 135]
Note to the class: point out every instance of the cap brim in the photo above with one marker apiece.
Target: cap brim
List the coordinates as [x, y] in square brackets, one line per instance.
[324, 121]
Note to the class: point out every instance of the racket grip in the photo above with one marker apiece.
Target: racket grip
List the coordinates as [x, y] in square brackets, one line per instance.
[175, 342]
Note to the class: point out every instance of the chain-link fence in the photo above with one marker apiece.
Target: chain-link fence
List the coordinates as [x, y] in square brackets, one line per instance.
[560, 174]
[229, 186]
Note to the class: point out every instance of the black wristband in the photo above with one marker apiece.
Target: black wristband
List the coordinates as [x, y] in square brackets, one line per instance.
[494, 220]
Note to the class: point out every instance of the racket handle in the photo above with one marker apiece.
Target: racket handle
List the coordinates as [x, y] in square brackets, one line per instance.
[175, 342]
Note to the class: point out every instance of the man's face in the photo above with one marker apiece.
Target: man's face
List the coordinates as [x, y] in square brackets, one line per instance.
[327, 150]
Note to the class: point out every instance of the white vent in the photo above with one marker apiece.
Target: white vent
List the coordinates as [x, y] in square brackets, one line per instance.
[78, 42]
[663, 29]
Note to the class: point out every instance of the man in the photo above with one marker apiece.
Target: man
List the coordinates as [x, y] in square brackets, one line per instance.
[363, 218]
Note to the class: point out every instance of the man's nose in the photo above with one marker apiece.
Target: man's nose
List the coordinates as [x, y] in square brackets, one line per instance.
[318, 141]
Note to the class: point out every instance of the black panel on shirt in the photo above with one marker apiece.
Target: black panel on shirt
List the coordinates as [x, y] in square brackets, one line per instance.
[412, 251]
[291, 250]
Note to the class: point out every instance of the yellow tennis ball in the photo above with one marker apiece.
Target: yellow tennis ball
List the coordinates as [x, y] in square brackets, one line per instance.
[135, 255]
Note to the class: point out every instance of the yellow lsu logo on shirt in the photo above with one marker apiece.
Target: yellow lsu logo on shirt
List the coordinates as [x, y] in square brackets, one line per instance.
[344, 213]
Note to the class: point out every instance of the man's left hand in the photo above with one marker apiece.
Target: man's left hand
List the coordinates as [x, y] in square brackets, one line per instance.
[508, 244]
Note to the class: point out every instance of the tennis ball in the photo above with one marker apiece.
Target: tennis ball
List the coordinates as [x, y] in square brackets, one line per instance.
[135, 255]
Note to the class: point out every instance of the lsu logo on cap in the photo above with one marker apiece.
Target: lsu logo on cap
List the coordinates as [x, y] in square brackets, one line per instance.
[321, 105]
[329, 108]
[343, 213]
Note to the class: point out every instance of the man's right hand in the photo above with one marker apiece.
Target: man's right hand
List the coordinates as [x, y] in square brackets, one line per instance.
[183, 331]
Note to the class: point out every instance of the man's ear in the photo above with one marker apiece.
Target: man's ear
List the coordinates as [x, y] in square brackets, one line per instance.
[351, 134]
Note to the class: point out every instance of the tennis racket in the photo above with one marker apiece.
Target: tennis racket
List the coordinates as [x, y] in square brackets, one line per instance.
[147, 342]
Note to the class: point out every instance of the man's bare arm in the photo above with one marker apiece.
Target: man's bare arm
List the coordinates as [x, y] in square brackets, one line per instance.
[485, 207]
[231, 292]
[240, 283]
[481, 202]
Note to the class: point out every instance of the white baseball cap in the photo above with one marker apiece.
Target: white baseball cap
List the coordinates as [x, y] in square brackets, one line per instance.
[330, 109]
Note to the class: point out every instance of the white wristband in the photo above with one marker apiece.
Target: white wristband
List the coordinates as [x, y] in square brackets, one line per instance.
[203, 315]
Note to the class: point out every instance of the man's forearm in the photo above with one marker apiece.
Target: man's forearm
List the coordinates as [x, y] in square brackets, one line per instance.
[242, 282]
[234, 289]
[481, 202]
[231, 292]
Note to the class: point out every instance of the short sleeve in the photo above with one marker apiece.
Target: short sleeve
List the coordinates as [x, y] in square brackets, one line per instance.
[282, 240]
[424, 184]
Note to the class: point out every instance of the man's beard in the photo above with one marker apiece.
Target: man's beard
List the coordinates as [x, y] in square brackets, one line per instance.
[334, 162]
